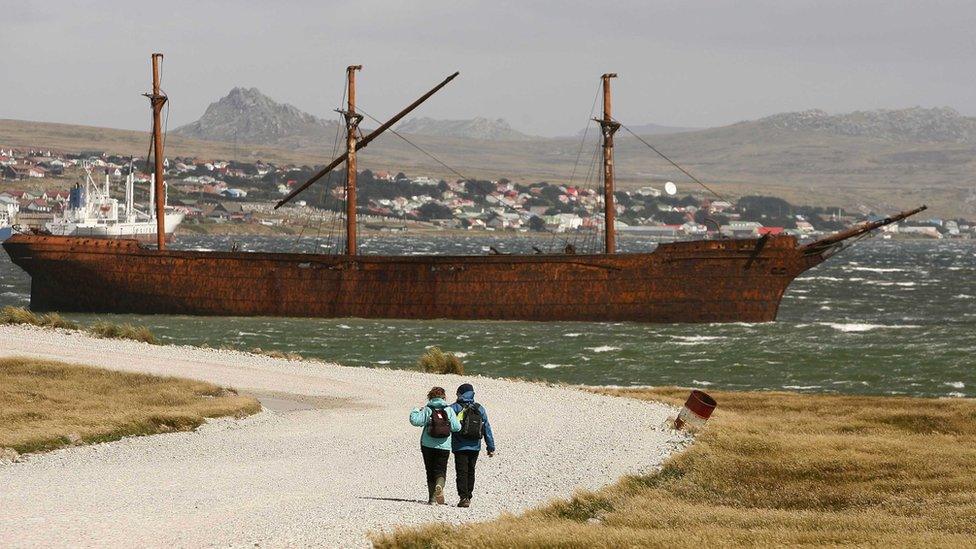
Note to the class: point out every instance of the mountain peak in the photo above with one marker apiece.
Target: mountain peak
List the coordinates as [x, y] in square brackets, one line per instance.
[247, 115]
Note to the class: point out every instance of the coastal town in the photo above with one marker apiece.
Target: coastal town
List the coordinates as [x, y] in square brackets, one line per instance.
[397, 275]
[214, 194]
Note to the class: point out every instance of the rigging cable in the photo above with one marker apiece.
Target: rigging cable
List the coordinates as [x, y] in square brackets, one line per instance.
[333, 238]
[459, 174]
[673, 163]
[579, 152]
[586, 130]
[333, 243]
[592, 237]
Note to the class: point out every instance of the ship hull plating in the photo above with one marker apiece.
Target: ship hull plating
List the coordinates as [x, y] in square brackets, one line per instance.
[740, 280]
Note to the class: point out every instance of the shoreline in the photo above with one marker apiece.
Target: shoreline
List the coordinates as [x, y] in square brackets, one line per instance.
[322, 467]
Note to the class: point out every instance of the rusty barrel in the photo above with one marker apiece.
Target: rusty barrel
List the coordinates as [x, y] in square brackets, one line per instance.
[697, 410]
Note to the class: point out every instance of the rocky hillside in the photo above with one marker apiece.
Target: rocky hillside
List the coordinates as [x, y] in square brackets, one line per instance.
[249, 116]
[475, 128]
[887, 160]
[916, 124]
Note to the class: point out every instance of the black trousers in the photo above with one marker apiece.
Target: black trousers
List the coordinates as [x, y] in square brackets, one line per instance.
[435, 461]
[464, 463]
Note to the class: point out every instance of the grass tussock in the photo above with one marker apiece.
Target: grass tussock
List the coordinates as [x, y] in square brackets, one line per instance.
[46, 405]
[103, 329]
[110, 330]
[21, 315]
[276, 354]
[771, 469]
[436, 361]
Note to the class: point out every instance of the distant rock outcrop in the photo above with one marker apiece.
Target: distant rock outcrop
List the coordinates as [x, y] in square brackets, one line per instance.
[916, 124]
[249, 116]
[475, 128]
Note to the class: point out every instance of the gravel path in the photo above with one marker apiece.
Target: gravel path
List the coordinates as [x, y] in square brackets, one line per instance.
[331, 457]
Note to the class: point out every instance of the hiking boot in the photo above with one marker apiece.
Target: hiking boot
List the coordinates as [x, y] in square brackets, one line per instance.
[465, 502]
[430, 495]
[439, 490]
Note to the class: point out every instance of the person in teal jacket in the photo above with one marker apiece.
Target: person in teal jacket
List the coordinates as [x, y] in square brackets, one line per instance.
[436, 415]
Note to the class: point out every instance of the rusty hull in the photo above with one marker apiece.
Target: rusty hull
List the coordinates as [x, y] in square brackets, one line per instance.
[739, 280]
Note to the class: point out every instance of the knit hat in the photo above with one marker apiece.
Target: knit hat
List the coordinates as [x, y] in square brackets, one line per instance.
[464, 388]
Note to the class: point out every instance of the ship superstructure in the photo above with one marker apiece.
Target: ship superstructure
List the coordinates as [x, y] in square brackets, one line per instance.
[8, 215]
[93, 212]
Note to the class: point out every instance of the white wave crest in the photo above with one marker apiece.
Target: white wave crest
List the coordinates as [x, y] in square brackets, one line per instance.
[602, 349]
[878, 269]
[697, 338]
[853, 327]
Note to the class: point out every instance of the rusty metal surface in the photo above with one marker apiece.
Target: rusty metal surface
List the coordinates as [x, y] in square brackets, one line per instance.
[352, 126]
[608, 127]
[820, 246]
[702, 281]
[157, 100]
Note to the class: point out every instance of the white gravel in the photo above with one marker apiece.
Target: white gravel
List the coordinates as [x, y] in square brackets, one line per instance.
[294, 475]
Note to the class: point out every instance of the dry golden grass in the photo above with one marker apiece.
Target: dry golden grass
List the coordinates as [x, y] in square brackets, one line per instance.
[20, 315]
[771, 469]
[103, 329]
[273, 353]
[436, 361]
[46, 405]
[110, 330]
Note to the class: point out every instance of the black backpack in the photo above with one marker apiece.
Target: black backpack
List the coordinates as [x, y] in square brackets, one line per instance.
[440, 424]
[472, 423]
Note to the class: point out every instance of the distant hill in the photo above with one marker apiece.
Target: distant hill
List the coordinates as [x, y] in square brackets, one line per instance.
[915, 124]
[248, 116]
[655, 129]
[474, 128]
[886, 159]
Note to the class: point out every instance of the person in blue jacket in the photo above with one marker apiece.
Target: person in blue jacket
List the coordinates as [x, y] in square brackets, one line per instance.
[438, 421]
[466, 442]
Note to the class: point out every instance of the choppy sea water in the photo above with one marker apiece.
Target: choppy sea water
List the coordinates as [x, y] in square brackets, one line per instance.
[886, 317]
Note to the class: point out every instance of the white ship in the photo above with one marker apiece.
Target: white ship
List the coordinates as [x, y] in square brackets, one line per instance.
[7, 214]
[93, 212]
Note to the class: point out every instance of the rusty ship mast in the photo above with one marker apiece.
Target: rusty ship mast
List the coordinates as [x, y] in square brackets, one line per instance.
[721, 280]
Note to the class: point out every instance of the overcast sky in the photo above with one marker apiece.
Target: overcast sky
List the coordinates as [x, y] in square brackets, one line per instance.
[536, 64]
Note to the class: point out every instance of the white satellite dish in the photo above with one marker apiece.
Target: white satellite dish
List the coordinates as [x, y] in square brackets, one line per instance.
[670, 188]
